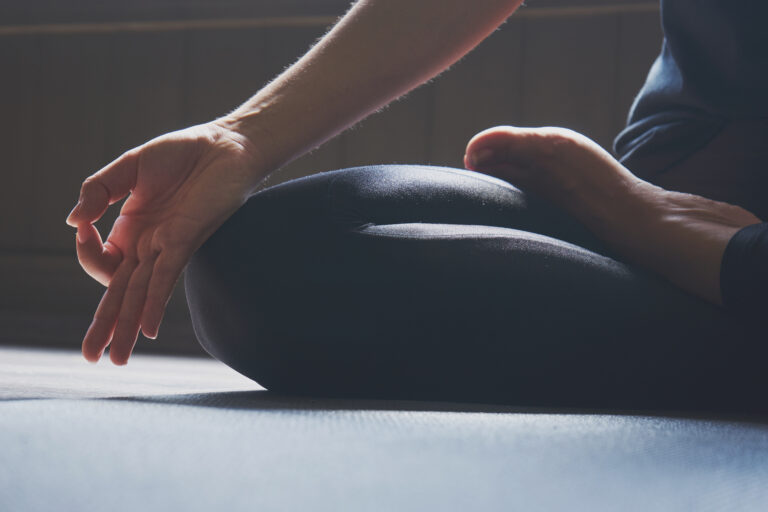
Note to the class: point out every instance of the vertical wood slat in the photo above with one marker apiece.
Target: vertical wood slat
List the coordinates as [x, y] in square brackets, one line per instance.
[73, 134]
[570, 74]
[481, 91]
[398, 134]
[18, 59]
[224, 67]
[60, 126]
[146, 89]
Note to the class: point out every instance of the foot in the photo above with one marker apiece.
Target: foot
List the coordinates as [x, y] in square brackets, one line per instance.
[681, 236]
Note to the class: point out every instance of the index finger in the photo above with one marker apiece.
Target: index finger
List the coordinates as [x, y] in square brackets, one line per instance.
[107, 186]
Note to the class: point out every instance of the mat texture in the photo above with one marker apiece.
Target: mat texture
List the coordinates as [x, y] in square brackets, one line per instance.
[189, 434]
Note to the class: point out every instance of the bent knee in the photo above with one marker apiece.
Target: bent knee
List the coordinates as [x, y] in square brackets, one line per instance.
[239, 316]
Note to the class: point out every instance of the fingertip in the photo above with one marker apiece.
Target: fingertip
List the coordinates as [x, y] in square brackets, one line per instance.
[150, 323]
[149, 327]
[119, 350]
[116, 359]
[91, 358]
[72, 214]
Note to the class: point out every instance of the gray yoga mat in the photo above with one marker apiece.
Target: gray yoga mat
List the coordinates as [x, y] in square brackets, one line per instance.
[189, 434]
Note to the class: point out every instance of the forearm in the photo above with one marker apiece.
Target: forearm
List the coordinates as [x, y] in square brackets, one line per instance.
[377, 52]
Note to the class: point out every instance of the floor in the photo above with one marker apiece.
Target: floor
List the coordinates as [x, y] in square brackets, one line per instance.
[171, 433]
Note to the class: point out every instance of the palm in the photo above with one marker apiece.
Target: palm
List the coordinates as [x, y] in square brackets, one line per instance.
[182, 186]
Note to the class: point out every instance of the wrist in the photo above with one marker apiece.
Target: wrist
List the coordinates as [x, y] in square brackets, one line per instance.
[255, 144]
[257, 122]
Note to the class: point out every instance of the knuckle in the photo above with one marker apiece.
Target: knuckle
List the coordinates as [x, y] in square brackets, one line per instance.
[89, 183]
[147, 249]
[160, 240]
[134, 288]
[171, 235]
[130, 260]
[90, 187]
[124, 321]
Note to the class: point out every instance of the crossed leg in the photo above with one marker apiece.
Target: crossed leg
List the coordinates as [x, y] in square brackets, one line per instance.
[680, 236]
[431, 283]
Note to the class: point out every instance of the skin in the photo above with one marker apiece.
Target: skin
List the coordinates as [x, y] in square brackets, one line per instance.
[680, 236]
[160, 225]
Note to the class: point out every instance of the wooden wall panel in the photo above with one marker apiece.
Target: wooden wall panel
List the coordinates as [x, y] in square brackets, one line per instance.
[48, 300]
[17, 59]
[74, 103]
[61, 129]
[224, 67]
[569, 69]
[482, 90]
[147, 88]
[397, 134]
[31, 12]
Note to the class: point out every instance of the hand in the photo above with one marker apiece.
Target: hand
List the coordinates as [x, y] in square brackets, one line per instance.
[182, 186]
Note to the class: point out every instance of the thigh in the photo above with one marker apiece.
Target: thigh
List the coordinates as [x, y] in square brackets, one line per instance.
[417, 282]
[392, 194]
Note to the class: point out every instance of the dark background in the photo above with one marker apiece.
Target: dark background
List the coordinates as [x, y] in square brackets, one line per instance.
[83, 81]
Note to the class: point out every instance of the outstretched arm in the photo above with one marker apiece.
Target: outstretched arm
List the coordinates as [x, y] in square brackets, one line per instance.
[182, 186]
[379, 51]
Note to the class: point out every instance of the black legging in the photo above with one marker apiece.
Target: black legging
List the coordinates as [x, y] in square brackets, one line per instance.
[418, 282]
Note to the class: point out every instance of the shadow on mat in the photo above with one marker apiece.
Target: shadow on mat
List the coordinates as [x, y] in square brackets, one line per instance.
[267, 400]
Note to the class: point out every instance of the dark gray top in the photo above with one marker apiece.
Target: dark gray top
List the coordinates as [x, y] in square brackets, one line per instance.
[713, 67]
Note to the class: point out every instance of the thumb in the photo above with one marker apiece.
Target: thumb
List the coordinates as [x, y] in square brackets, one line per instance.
[107, 186]
[98, 260]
